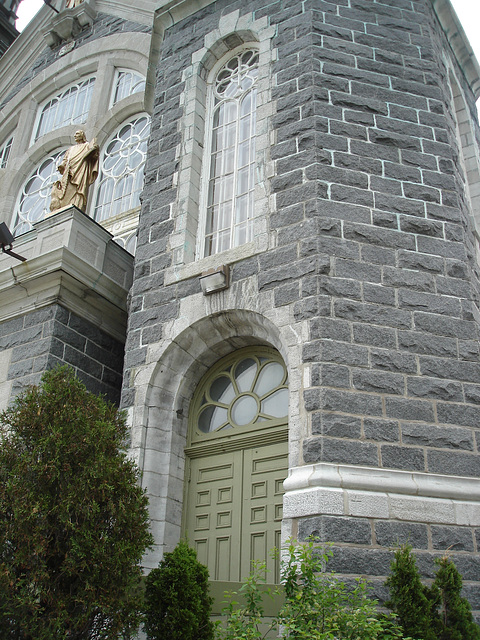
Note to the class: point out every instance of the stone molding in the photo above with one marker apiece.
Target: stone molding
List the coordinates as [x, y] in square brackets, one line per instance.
[336, 489]
[71, 260]
[68, 23]
[459, 43]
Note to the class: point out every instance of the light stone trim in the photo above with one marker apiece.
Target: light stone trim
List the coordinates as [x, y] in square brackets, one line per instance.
[207, 329]
[192, 155]
[348, 490]
[71, 260]
[459, 43]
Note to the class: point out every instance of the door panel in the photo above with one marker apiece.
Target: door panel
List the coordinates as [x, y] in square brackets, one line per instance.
[234, 509]
[265, 469]
[212, 523]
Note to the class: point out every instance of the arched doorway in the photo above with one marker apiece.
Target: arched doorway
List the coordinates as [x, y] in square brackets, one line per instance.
[236, 459]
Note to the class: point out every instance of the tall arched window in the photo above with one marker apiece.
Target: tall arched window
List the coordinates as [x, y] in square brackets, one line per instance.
[121, 176]
[230, 192]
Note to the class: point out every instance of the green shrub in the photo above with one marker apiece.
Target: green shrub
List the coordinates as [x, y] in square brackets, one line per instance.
[456, 613]
[414, 603]
[317, 606]
[73, 520]
[430, 613]
[177, 604]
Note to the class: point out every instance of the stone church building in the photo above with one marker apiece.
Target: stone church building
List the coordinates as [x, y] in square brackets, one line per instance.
[277, 271]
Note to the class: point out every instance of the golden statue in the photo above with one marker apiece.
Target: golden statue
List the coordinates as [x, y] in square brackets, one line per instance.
[79, 168]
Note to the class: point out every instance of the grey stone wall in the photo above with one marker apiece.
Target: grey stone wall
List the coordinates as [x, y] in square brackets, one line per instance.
[42, 339]
[373, 248]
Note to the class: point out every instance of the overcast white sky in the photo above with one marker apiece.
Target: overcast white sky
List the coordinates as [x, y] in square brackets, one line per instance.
[467, 10]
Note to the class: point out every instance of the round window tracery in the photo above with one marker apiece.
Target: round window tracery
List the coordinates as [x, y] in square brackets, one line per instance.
[242, 391]
[34, 201]
[121, 178]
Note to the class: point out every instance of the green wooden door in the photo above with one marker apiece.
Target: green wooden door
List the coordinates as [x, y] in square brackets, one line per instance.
[234, 509]
[236, 463]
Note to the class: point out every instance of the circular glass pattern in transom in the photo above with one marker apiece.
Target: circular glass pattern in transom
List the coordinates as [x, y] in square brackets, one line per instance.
[241, 391]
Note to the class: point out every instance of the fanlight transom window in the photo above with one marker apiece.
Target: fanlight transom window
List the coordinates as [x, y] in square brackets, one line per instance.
[70, 107]
[230, 198]
[121, 178]
[35, 196]
[127, 83]
[244, 391]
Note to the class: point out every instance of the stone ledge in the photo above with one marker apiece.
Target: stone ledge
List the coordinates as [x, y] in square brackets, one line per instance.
[344, 490]
[413, 483]
[73, 261]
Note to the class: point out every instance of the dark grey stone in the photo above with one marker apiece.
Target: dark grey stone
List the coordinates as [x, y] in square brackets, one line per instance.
[452, 538]
[381, 430]
[335, 529]
[395, 534]
[336, 425]
[408, 458]
[440, 437]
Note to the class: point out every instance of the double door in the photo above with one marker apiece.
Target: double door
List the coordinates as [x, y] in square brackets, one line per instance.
[233, 509]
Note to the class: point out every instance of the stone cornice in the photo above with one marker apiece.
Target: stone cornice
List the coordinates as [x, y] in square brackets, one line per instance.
[412, 483]
[459, 43]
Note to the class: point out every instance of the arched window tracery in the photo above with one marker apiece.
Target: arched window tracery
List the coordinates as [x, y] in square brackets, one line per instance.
[69, 107]
[120, 179]
[231, 165]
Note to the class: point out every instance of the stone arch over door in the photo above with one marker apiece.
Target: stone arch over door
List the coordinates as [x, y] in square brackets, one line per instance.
[159, 444]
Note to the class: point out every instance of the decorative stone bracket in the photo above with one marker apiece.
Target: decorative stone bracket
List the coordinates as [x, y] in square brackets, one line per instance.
[67, 24]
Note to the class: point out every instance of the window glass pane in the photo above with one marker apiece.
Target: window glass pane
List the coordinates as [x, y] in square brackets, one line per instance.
[5, 152]
[222, 390]
[233, 148]
[70, 107]
[34, 201]
[120, 178]
[245, 373]
[127, 84]
[270, 376]
[276, 405]
[244, 410]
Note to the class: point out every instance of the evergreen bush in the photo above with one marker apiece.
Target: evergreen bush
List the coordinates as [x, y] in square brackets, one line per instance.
[414, 603]
[430, 613]
[456, 613]
[177, 604]
[73, 519]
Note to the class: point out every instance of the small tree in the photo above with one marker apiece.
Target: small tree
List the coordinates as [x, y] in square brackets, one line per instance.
[73, 519]
[177, 604]
[456, 613]
[414, 603]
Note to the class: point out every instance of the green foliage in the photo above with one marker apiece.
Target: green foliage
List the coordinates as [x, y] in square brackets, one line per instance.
[318, 606]
[73, 519]
[177, 604]
[456, 613]
[414, 603]
[244, 622]
[417, 605]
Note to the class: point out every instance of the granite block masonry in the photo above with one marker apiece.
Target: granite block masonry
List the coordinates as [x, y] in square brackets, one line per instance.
[366, 280]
